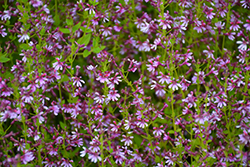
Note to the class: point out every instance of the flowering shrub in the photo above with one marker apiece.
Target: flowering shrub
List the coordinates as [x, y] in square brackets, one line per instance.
[124, 83]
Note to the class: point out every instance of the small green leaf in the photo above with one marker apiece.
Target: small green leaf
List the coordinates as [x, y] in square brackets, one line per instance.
[73, 100]
[96, 42]
[86, 53]
[64, 30]
[4, 59]
[65, 154]
[27, 146]
[26, 16]
[20, 7]
[171, 132]
[157, 159]
[76, 27]
[1, 132]
[69, 22]
[84, 40]
[93, 2]
[42, 32]
[56, 20]
[65, 78]
[85, 30]
[25, 46]
[137, 139]
[62, 125]
[161, 120]
[98, 49]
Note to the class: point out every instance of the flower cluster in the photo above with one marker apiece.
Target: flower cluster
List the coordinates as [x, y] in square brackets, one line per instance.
[125, 83]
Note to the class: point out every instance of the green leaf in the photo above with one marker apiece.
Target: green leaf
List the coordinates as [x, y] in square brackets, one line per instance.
[171, 132]
[159, 120]
[27, 146]
[157, 159]
[84, 40]
[76, 27]
[86, 53]
[1, 132]
[20, 7]
[96, 42]
[69, 22]
[64, 30]
[73, 100]
[137, 139]
[85, 30]
[62, 125]
[42, 32]
[25, 46]
[65, 78]
[98, 49]
[93, 2]
[8, 74]
[66, 154]
[56, 20]
[4, 59]
[26, 16]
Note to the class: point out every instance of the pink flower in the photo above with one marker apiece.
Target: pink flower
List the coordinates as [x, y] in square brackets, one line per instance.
[78, 81]
[243, 44]
[158, 131]
[209, 13]
[142, 123]
[245, 3]
[66, 163]
[23, 37]
[27, 98]
[145, 26]
[91, 9]
[95, 145]
[113, 95]
[127, 139]
[209, 52]
[58, 65]
[2, 31]
[244, 138]
[164, 78]
[27, 157]
[99, 98]
[6, 15]
[115, 127]
[94, 157]
[174, 85]
[36, 3]
[219, 25]
[83, 153]
[247, 25]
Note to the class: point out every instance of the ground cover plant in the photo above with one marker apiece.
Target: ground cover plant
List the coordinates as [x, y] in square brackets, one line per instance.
[124, 83]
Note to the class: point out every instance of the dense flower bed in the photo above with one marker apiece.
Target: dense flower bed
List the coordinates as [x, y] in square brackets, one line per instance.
[124, 83]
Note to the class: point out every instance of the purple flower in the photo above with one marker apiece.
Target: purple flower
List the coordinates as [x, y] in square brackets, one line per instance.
[6, 15]
[2, 31]
[127, 140]
[27, 157]
[243, 44]
[36, 3]
[244, 138]
[113, 95]
[66, 163]
[94, 157]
